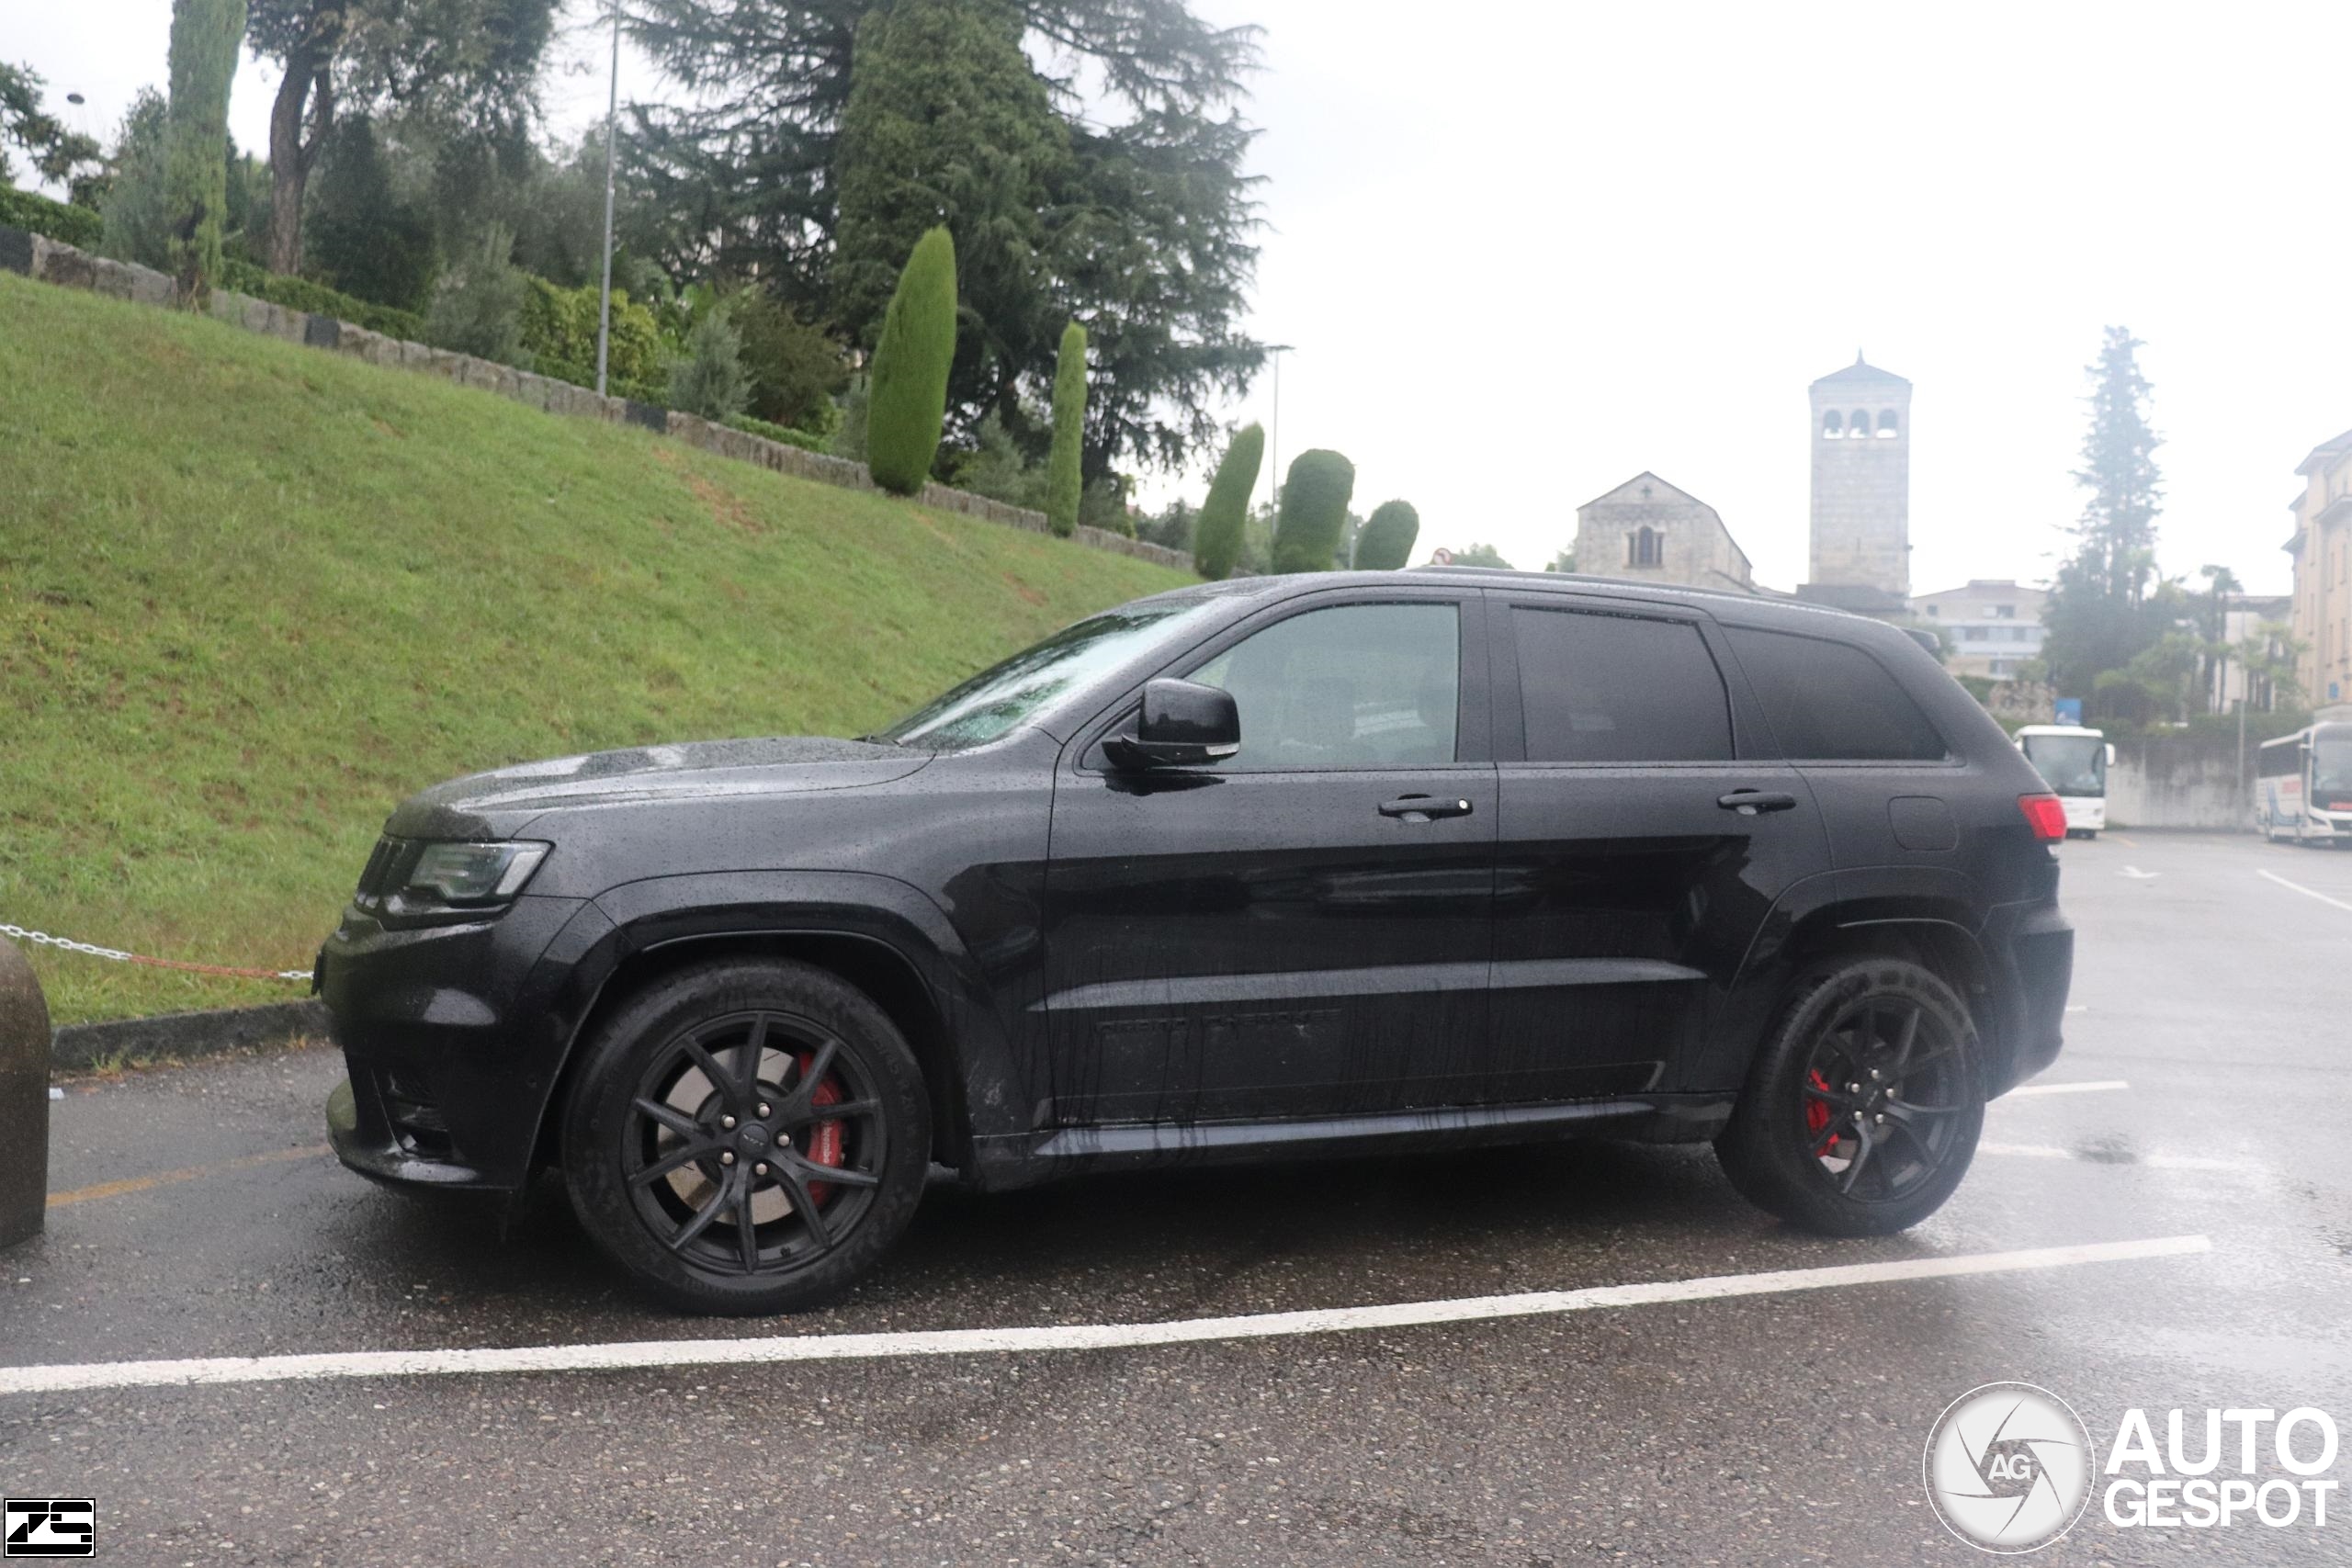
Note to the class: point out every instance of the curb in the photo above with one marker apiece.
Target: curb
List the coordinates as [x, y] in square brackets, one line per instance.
[185, 1037]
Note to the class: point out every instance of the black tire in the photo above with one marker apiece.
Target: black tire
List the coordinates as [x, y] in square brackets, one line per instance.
[715, 1073]
[1843, 1022]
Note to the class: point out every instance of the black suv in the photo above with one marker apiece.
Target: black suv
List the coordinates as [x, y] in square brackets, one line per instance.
[1298, 865]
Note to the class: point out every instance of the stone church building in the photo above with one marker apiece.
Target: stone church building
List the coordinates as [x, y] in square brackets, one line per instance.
[1647, 528]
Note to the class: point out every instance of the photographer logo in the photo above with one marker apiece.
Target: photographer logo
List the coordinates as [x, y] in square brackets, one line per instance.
[2008, 1467]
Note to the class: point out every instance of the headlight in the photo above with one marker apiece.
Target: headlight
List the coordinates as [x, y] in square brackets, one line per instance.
[466, 875]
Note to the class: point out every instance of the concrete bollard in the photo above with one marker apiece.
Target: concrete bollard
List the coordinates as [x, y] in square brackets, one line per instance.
[24, 1099]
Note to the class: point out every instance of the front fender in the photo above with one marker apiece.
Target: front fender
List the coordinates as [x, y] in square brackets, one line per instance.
[647, 917]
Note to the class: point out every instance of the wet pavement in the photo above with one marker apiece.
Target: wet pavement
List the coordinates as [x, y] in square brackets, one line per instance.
[1774, 1429]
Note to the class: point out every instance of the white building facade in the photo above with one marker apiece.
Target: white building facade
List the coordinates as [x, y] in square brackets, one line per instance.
[1991, 626]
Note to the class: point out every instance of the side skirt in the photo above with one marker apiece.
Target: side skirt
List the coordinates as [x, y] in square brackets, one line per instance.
[1008, 1162]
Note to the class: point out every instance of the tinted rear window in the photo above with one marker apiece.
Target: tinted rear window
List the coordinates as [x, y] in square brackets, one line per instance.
[1829, 701]
[1618, 689]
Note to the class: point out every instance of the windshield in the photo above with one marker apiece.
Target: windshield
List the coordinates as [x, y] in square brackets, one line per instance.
[2331, 770]
[2071, 765]
[994, 702]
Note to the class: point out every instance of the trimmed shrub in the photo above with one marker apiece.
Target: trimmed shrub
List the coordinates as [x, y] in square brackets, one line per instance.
[1216, 536]
[36, 214]
[205, 35]
[907, 403]
[708, 378]
[1065, 483]
[301, 294]
[1386, 542]
[1314, 511]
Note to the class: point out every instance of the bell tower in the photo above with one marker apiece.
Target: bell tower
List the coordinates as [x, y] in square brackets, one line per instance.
[1861, 480]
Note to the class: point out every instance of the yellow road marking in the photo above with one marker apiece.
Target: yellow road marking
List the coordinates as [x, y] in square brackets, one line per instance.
[165, 1179]
[2133, 843]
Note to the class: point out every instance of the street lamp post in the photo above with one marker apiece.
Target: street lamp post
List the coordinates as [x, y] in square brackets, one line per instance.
[611, 119]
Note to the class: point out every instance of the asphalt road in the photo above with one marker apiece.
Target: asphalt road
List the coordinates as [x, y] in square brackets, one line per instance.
[1770, 1428]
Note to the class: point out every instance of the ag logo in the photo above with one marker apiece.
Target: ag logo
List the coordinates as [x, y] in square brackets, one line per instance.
[2008, 1467]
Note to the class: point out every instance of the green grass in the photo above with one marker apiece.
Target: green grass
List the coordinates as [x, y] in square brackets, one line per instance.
[251, 593]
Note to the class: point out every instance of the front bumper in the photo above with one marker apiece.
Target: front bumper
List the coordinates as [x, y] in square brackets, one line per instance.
[2085, 813]
[453, 1036]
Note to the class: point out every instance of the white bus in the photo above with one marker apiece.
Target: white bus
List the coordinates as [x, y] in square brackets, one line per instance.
[2302, 786]
[2073, 761]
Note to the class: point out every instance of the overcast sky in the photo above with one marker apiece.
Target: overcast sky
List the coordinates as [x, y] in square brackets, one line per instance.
[1529, 251]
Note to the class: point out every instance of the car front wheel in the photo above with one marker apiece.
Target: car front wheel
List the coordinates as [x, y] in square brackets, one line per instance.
[1862, 1110]
[747, 1136]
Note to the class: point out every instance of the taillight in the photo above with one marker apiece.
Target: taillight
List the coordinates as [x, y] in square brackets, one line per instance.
[2045, 815]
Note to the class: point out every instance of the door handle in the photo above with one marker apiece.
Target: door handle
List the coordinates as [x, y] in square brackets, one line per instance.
[1749, 802]
[1424, 808]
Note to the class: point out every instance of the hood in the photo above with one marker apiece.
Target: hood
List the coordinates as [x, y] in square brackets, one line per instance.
[497, 804]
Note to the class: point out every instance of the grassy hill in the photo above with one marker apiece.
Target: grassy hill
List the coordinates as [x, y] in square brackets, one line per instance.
[251, 593]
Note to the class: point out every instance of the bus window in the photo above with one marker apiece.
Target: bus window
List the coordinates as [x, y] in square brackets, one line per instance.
[2072, 764]
[2332, 771]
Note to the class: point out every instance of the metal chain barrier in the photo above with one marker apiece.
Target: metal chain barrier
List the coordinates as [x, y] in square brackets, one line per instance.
[67, 944]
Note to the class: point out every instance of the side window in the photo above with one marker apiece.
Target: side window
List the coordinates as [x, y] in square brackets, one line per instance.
[1599, 688]
[1829, 701]
[1351, 686]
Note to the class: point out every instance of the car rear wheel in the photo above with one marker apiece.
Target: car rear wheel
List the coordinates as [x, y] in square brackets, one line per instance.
[747, 1136]
[1862, 1110]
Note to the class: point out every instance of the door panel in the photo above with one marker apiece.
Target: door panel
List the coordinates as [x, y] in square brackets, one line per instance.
[1302, 931]
[1263, 945]
[1639, 851]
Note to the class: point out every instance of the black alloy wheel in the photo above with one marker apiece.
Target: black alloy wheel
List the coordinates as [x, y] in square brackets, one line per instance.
[752, 1142]
[1862, 1110]
[747, 1136]
[1884, 1100]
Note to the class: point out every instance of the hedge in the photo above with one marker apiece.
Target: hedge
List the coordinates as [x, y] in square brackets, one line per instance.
[1314, 511]
[35, 213]
[301, 294]
[752, 425]
[1216, 536]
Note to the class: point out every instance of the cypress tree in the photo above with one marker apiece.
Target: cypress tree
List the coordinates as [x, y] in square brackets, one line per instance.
[1064, 482]
[205, 35]
[1386, 542]
[1216, 535]
[1314, 511]
[906, 404]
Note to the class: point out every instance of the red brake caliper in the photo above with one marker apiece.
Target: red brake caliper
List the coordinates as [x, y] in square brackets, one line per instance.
[1816, 1114]
[825, 1139]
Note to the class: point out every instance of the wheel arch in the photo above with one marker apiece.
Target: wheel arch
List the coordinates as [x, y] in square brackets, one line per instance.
[889, 942]
[1938, 932]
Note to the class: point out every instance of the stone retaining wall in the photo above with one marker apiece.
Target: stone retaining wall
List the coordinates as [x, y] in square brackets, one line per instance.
[37, 256]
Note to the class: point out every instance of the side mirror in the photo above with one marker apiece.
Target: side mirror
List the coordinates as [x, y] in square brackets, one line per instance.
[1183, 725]
[2110, 755]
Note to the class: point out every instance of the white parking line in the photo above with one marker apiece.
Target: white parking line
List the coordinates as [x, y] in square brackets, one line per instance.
[2154, 1162]
[1073, 1336]
[2306, 892]
[2087, 1087]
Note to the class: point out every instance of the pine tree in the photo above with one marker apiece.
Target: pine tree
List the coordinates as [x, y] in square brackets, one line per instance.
[2118, 528]
[1065, 480]
[1385, 542]
[1314, 510]
[1216, 536]
[204, 34]
[907, 407]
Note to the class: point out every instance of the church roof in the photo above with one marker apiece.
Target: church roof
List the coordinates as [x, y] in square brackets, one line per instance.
[1861, 370]
[1629, 492]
